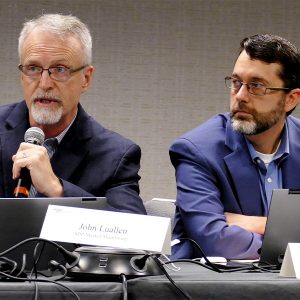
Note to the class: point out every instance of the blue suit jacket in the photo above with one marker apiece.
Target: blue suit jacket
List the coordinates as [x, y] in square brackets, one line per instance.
[215, 174]
[90, 160]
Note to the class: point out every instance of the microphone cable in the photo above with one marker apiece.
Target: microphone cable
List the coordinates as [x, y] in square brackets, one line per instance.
[8, 264]
[266, 267]
[71, 258]
[36, 291]
[11, 266]
[22, 269]
[221, 268]
[208, 262]
[124, 286]
[36, 258]
[178, 289]
[36, 280]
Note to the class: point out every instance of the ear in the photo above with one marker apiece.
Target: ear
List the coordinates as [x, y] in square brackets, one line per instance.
[292, 99]
[87, 78]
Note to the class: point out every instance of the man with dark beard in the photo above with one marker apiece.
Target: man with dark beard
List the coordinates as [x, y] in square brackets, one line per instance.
[227, 167]
[55, 53]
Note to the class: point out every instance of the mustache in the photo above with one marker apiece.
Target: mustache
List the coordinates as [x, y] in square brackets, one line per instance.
[45, 95]
[241, 107]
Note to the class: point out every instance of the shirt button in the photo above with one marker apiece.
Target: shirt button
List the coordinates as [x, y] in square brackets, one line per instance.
[269, 180]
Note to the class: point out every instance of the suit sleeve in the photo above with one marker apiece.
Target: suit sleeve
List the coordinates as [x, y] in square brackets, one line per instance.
[123, 191]
[200, 210]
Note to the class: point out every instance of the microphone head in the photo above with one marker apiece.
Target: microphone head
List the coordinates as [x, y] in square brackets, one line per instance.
[34, 135]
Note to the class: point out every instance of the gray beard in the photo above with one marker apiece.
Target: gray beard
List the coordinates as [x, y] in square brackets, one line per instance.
[46, 116]
[244, 127]
[261, 123]
[254, 127]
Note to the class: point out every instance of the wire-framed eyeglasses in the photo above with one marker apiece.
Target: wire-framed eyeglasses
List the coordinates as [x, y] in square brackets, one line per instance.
[254, 88]
[58, 73]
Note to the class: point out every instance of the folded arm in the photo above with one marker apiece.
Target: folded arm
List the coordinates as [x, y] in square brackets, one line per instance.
[204, 193]
[250, 223]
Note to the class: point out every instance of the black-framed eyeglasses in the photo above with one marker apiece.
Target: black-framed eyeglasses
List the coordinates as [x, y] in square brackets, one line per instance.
[254, 88]
[58, 73]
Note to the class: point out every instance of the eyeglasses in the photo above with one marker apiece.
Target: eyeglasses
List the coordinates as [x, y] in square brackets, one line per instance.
[254, 88]
[59, 73]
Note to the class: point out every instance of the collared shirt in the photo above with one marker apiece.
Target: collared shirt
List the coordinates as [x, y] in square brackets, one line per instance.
[63, 133]
[270, 174]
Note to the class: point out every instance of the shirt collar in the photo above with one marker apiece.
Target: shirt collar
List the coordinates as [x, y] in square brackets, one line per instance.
[281, 152]
[63, 133]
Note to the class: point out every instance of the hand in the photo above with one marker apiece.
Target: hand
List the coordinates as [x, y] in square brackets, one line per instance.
[253, 224]
[35, 158]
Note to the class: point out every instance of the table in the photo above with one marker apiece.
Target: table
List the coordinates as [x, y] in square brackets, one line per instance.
[198, 282]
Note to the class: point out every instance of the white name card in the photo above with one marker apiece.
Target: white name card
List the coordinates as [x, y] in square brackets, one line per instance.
[291, 262]
[104, 228]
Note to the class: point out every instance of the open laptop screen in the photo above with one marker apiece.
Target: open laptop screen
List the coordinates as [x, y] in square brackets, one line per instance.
[283, 225]
[22, 218]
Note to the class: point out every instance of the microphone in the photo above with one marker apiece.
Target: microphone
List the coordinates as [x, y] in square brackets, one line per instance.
[33, 135]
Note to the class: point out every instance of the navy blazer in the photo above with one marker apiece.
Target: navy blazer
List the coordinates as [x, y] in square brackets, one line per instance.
[215, 174]
[90, 160]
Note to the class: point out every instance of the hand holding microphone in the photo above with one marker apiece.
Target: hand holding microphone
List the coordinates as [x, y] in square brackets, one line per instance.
[32, 167]
[33, 135]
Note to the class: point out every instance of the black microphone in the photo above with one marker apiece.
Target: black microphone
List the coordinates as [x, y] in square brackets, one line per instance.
[33, 135]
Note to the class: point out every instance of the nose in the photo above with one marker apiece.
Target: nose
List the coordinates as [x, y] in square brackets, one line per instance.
[243, 93]
[45, 82]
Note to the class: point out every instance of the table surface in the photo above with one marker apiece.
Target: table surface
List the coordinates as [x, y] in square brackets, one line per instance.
[197, 281]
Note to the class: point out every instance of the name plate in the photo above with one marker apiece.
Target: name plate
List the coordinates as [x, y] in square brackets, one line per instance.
[104, 228]
[291, 262]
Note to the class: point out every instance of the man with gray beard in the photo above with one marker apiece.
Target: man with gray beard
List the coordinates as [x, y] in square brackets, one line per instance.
[227, 167]
[86, 160]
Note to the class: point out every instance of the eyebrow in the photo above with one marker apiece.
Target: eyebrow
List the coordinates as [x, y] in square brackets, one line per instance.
[254, 78]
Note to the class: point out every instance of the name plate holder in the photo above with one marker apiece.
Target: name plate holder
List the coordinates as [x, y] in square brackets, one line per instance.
[291, 262]
[105, 228]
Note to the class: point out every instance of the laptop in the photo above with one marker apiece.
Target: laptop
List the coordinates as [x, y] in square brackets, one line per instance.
[282, 225]
[22, 218]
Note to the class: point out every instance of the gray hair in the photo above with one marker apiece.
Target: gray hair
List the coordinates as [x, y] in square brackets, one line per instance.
[61, 25]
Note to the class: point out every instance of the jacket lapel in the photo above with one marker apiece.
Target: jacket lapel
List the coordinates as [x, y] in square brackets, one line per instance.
[10, 139]
[291, 167]
[243, 173]
[72, 148]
